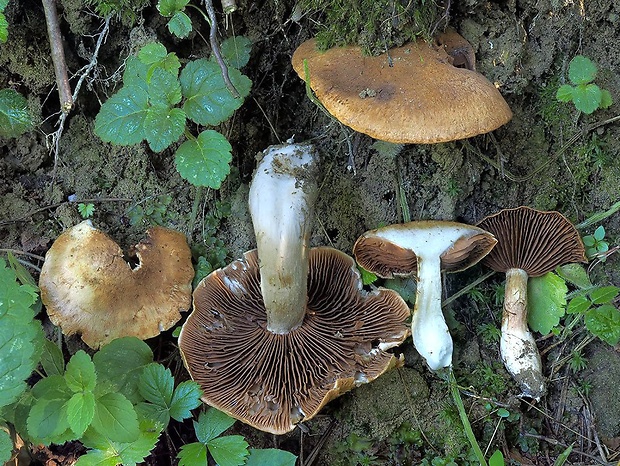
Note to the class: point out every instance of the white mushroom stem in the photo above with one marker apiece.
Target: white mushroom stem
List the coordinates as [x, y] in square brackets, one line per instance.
[517, 345]
[282, 195]
[428, 326]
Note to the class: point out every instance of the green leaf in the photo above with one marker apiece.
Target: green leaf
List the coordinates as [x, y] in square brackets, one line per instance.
[563, 457]
[6, 446]
[80, 374]
[163, 126]
[575, 274]
[47, 420]
[578, 305]
[164, 89]
[136, 73]
[156, 57]
[21, 273]
[151, 53]
[15, 118]
[564, 93]
[604, 322]
[170, 7]
[496, 459]
[193, 454]
[180, 25]
[212, 423]
[80, 412]
[599, 233]
[606, 99]
[587, 98]
[581, 70]
[271, 457]
[589, 240]
[115, 417]
[121, 362]
[157, 413]
[121, 118]
[604, 294]
[97, 458]
[4, 28]
[53, 387]
[228, 451]
[546, 302]
[185, 398]
[205, 160]
[157, 385]
[208, 100]
[236, 51]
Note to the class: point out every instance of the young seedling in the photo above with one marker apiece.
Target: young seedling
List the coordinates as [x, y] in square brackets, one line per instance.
[586, 95]
[595, 244]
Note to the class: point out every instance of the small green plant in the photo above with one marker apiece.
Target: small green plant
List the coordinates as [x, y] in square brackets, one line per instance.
[151, 211]
[125, 10]
[585, 95]
[577, 361]
[595, 244]
[86, 210]
[179, 23]
[601, 317]
[353, 451]
[156, 101]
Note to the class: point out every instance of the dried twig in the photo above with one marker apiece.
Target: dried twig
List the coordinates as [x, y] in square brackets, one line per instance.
[58, 56]
[215, 47]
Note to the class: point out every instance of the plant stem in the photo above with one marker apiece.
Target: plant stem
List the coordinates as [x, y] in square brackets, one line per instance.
[216, 49]
[58, 56]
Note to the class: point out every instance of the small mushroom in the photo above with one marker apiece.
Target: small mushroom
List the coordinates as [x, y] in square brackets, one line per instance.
[89, 288]
[428, 248]
[276, 335]
[411, 94]
[530, 244]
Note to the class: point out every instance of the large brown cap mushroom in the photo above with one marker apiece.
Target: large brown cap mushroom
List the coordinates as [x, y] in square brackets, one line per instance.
[273, 381]
[88, 288]
[532, 240]
[412, 94]
[384, 252]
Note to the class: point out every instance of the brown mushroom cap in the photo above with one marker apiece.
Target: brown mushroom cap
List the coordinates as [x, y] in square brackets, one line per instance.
[532, 240]
[412, 95]
[379, 254]
[88, 288]
[273, 381]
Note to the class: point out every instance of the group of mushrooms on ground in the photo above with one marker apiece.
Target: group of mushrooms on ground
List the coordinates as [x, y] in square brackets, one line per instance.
[277, 334]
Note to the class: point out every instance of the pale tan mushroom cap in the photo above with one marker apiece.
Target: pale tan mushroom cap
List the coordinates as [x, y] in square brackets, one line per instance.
[88, 288]
[420, 99]
[273, 381]
[532, 240]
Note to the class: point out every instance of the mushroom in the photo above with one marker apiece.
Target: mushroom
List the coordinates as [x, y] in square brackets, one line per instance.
[530, 244]
[276, 335]
[428, 248]
[411, 94]
[88, 288]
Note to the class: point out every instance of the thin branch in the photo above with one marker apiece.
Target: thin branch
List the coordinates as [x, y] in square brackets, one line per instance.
[216, 49]
[58, 56]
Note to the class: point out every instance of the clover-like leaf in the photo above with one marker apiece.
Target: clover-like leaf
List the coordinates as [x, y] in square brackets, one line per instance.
[15, 118]
[546, 302]
[193, 454]
[587, 98]
[205, 160]
[564, 93]
[230, 450]
[581, 70]
[121, 118]
[208, 101]
[212, 423]
[604, 322]
[180, 25]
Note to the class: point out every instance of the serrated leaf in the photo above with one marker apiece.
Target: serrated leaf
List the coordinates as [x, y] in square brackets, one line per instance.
[605, 294]
[52, 359]
[236, 51]
[15, 118]
[180, 25]
[208, 100]
[160, 414]
[546, 302]
[205, 160]
[80, 412]
[116, 418]
[587, 98]
[581, 70]
[193, 454]
[121, 118]
[271, 457]
[156, 57]
[230, 450]
[53, 387]
[575, 274]
[564, 93]
[47, 419]
[163, 126]
[136, 73]
[97, 458]
[21, 273]
[212, 423]
[185, 398]
[164, 88]
[121, 362]
[6, 446]
[153, 52]
[157, 385]
[170, 7]
[604, 322]
[578, 305]
[80, 374]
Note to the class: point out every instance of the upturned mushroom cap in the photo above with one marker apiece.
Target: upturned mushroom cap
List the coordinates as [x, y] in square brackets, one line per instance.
[390, 251]
[273, 381]
[88, 288]
[532, 240]
[413, 94]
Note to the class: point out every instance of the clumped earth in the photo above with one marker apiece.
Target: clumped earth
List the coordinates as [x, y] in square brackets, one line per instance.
[548, 157]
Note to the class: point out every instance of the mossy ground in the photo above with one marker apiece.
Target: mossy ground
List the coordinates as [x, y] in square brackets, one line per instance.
[547, 157]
